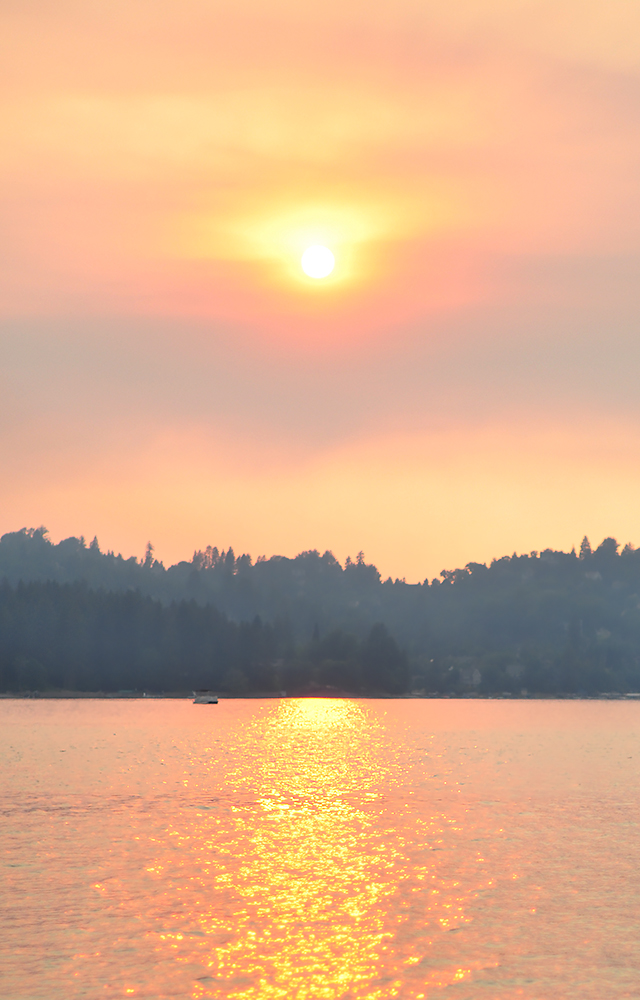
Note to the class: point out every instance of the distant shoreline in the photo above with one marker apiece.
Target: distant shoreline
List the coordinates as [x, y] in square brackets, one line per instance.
[412, 696]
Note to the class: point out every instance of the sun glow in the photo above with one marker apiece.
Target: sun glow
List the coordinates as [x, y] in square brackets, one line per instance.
[317, 261]
[287, 238]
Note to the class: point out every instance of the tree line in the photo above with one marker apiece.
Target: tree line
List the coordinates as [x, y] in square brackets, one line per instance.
[549, 622]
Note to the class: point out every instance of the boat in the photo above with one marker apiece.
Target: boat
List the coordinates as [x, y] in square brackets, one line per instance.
[204, 698]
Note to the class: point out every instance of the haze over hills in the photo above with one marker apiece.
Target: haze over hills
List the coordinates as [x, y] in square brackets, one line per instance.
[549, 622]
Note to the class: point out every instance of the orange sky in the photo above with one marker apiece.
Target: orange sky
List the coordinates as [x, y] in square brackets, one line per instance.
[462, 386]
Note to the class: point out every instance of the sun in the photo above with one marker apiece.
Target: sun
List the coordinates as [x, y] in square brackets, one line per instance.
[317, 261]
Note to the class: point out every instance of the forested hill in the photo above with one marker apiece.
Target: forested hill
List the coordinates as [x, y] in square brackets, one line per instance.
[549, 621]
[68, 637]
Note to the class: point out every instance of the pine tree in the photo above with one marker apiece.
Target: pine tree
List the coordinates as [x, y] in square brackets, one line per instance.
[585, 548]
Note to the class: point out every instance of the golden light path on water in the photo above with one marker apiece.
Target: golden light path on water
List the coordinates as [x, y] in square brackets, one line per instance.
[319, 850]
[318, 871]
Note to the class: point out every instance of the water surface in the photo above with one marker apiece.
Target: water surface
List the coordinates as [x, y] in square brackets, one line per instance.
[320, 849]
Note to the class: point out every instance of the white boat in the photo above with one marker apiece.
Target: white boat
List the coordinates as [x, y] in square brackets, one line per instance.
[204, 698]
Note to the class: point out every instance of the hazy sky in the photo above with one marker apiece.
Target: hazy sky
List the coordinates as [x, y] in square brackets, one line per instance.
[465, 383]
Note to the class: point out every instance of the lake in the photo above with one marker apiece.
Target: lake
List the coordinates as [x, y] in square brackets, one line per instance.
[319, 849]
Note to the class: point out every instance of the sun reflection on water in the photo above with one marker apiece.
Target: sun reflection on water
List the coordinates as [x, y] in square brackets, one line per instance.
[316, 881]
[312, 902]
